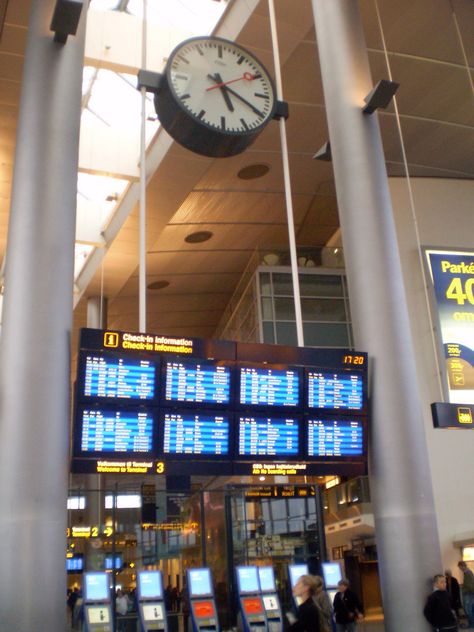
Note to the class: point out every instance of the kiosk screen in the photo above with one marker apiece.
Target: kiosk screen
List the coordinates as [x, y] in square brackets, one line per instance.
[204, 609]
[98, 614]
[150, 585]
[267, 579]
[247, 578]
[96, 587]
[270, 602]
[153, 612]
[199, 582]
[332, 573]
[296, 570]
[252, 605]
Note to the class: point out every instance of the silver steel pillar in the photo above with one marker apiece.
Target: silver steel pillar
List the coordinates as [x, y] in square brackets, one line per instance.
[405, 521]
[35, 343]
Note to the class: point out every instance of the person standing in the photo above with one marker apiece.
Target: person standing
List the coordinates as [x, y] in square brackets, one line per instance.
[307, 617]
[454, 591]
[467, 592]
[323, 603]
[437, 610]
[347, 608]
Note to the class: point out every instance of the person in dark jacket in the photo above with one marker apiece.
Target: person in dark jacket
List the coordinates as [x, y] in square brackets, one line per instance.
[454, 591]
[347, 608]
[307, 617]
[438, 609]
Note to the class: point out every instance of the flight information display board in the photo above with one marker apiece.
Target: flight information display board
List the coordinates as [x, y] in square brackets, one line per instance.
[115, 431]
[335, 391]
[335, 438]
[195, 433]
[269, 387]
[153, 404]
[196, 383]
[268, 436]
[114, 377]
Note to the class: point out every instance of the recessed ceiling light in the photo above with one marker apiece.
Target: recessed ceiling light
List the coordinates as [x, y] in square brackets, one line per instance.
[251, 172]
[158, 285]
[199, 237]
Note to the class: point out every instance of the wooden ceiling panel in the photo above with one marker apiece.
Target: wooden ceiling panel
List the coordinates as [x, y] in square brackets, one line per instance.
[11, 67]
[302, 76]
[14, 39]
[237, 207]
[162, 264]
[241, 237]
[424, 28]
[464, 15]
[205, 282]
[156, 301]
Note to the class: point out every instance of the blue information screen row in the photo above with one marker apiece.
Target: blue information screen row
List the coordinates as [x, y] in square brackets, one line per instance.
[108, 377]
[214, 434]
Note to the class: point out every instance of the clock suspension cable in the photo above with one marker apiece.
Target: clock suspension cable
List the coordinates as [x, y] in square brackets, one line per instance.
[287, 181]
[142, 209]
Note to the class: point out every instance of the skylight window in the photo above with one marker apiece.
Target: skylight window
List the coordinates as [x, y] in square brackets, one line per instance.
[198, 16]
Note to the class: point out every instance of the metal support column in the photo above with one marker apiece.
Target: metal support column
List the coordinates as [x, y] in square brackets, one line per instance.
[405, 520]
[37, 321]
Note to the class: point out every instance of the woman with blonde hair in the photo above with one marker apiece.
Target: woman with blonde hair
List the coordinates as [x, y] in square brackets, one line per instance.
[307, 618]
[323, 604]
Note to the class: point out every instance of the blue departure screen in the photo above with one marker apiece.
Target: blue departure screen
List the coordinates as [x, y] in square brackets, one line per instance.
[199, 582]
[109, 562]
[96, 587]
[150, 585]
[75, 564]
[269, 387]
[196, 433]
[268, 436]
[335, 390]
[267, 578]
[116, 431]
[113, 377]
[248, 579]
[335, 437]
[197, 383]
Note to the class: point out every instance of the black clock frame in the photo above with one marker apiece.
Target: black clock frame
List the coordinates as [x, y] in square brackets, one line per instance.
[194, 133]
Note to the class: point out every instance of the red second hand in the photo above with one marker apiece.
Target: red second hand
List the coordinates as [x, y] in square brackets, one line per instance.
[247, 76]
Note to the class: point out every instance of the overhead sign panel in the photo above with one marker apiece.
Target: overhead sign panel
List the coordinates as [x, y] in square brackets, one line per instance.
[452, 277]
[146, 403]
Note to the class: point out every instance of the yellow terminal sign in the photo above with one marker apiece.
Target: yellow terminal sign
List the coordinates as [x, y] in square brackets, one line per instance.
[85, 531]
[464, 415]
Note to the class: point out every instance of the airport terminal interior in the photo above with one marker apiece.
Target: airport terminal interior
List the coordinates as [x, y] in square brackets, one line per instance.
[230, 401]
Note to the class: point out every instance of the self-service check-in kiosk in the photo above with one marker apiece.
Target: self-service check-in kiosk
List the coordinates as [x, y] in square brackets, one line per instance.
[250, 599]
[295, 571]
[151, 607]
[97, 605]
[201, 600]
[271, 603]
[332, 574]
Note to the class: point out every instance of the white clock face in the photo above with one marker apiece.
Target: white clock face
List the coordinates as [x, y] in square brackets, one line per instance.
[222, 85]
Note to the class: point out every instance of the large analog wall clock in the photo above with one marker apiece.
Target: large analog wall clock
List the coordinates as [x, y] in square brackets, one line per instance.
[214, 96]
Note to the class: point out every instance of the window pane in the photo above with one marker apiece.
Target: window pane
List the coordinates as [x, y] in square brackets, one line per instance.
[284, 309]
[286, 334]
[268, 334]
[267, 309]
[325, 335]
[265, 285]
[320, 285]
[282, 285]
[323, 309]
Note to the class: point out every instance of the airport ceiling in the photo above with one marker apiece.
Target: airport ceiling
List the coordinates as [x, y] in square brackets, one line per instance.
[431, 54]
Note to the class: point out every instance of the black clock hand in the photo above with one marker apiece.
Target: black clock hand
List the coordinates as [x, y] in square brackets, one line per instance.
[251, 106]
[218, 79]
